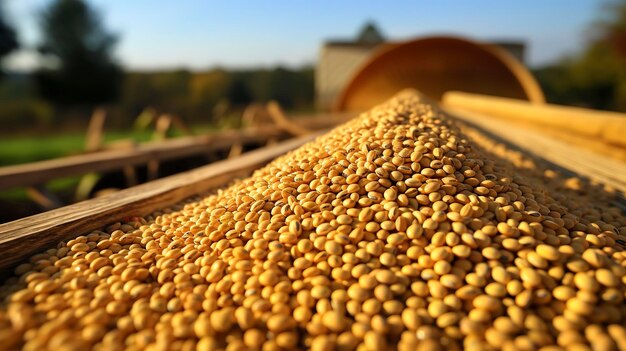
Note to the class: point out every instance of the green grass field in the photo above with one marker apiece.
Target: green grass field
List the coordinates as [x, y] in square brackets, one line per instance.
[24, 149]
[29, 149]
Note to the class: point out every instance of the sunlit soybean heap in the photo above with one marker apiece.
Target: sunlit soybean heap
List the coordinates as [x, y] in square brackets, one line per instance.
[393, 231]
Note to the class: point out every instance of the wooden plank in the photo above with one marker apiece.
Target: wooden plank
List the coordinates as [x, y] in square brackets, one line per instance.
[107, 160]
[162, 125]
[21, 238]
[607, 126]
[584, 162]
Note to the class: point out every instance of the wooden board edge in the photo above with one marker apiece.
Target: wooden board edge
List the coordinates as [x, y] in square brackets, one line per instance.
[21, 238]
[107, 160]
[554, 158]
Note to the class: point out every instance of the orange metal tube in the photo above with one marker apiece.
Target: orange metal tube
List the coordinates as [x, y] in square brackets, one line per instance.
[434, 65]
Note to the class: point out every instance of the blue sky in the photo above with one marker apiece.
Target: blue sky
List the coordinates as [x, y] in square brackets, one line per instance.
[200, 34]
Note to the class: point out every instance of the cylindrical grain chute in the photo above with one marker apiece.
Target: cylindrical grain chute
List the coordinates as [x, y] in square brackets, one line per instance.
[435, 65]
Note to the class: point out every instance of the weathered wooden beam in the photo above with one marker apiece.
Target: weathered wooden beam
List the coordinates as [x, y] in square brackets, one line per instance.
[24, 237]
[107, 160]
[609, 127]
[43, 197]
[574, 158]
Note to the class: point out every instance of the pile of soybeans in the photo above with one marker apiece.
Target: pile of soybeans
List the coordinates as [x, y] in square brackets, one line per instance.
[394, 231]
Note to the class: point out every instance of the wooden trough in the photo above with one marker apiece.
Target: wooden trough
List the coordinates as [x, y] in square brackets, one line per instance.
[265, 125]
[437, 65]
[21, 238]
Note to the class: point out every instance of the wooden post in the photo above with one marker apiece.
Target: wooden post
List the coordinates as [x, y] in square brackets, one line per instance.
[93, 138]
[43, 197]
[249, 115]
[85, 186]
[162, 125]
[93, 142]
[178, 123]
[280, 119]
[563, 155]
[114, 159]
[145, 118]
[604, 125]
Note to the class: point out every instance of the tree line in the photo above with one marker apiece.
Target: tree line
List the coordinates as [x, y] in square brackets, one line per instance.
[201, 97]
[596, 76]
[79, 71]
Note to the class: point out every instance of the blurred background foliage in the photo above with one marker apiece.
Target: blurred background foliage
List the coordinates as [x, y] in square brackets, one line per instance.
[596, 76]
[79, 72]
[79, 69]
[192, 95]
[44, 114]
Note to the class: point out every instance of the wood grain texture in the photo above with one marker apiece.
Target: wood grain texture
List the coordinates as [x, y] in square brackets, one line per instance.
[21, 238]
[609, 127]
[574, 158]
